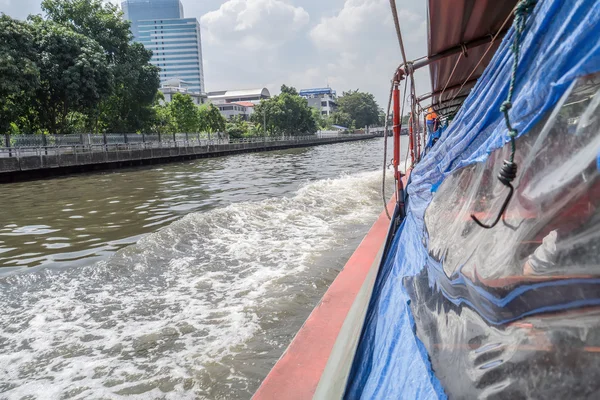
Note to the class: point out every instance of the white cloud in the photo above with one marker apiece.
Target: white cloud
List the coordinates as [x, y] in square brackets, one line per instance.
[253, 24]
[360, 47]
[349, 44]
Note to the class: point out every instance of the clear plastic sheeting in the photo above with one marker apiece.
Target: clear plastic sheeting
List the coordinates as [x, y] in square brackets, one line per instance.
[513, 312]
[510, 312]
[551, 226]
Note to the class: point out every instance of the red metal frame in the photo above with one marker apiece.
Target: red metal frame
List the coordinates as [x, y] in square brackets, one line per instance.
[397, 119]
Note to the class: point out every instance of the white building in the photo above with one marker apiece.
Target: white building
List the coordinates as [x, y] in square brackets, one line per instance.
[170, 87]
[232, 96]
[324, 99]
[244, 109]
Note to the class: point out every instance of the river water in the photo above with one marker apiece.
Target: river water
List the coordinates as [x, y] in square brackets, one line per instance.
[183, 280]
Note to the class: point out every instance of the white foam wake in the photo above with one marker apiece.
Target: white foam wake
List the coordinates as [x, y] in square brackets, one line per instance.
[165, 318]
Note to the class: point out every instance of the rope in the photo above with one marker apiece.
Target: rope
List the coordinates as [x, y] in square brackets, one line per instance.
[410, 72]
[398, 31]
[522, 10]
[385, 139]
[399, 183]
[407, 147]
[407, 70]
[484, 54]
[508, 172]
[460, 56]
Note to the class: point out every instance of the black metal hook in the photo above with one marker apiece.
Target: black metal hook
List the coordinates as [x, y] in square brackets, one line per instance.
[507, 174]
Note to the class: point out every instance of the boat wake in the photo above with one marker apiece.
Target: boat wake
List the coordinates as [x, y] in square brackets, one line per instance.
[199, 309]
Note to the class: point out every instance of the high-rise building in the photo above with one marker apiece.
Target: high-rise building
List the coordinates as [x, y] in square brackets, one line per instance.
[176, 41]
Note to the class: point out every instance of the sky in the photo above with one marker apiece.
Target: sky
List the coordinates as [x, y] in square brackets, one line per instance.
[346, 44]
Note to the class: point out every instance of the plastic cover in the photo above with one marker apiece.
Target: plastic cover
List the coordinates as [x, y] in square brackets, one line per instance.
[508, 312]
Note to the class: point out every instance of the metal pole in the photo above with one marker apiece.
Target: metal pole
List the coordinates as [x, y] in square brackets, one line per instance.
[7, 142]
[397, 116]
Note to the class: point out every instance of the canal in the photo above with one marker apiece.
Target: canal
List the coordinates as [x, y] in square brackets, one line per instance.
[184, 280]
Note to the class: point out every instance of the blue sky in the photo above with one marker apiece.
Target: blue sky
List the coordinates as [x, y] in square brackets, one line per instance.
[350, 44]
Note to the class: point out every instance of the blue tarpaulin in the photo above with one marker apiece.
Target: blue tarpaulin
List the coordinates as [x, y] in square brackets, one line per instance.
[560, 45]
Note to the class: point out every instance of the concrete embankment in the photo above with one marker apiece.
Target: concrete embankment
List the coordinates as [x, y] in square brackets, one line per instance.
[18, 164]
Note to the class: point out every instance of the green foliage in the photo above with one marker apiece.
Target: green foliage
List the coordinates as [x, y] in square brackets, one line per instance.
[237, 127]
[98, 20]
[184, 113]
[342, 119]
[361, 107]
[136, 81]
[382, 116]
[289, 90]
[181, 115]
[323, 122]
[75, 70]
[163, 120]
[286, 114]
[74, 75]
[19, 74]
[129, 108]
[210, 119]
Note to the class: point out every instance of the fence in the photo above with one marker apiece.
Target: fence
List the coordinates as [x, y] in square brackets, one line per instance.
[18, 146]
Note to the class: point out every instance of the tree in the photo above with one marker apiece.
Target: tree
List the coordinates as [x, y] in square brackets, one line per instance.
[286, 113]
[210, 118]
[98, 20]
[74, 75]
[263, 116]
[136, 81]
[289, 90]
[184, 113]
[237, 127]
[342, 119]
[362, 108]
[323, 122]
[129, 108]
[19, 73]
[162, 120]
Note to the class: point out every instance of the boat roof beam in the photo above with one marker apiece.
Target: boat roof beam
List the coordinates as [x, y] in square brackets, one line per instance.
[448, 90]
[424, 62]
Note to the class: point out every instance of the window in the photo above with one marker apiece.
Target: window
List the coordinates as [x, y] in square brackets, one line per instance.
[323, 112]
[323, 104]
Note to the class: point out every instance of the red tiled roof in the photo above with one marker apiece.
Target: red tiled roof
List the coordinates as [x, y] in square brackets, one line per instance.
[244, 103]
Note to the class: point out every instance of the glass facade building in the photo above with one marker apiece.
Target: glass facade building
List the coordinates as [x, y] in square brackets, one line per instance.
[176, 41]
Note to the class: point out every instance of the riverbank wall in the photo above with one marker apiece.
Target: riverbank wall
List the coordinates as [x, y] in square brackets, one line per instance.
[27, 163]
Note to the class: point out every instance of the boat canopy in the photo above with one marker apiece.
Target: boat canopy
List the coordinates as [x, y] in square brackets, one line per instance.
[463, 36]
[507, 309]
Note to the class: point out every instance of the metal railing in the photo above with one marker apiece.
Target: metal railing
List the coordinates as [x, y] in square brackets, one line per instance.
[19, 146]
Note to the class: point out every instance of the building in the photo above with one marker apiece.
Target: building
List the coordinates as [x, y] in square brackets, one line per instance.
[244, 109]
[170, 87]
[231, 96]
[176, 41]
[324, 99]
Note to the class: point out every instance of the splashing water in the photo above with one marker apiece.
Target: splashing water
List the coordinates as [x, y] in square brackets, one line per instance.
[201, 308]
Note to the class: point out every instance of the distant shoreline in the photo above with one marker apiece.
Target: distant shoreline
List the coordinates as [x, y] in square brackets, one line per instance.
[45, 166]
